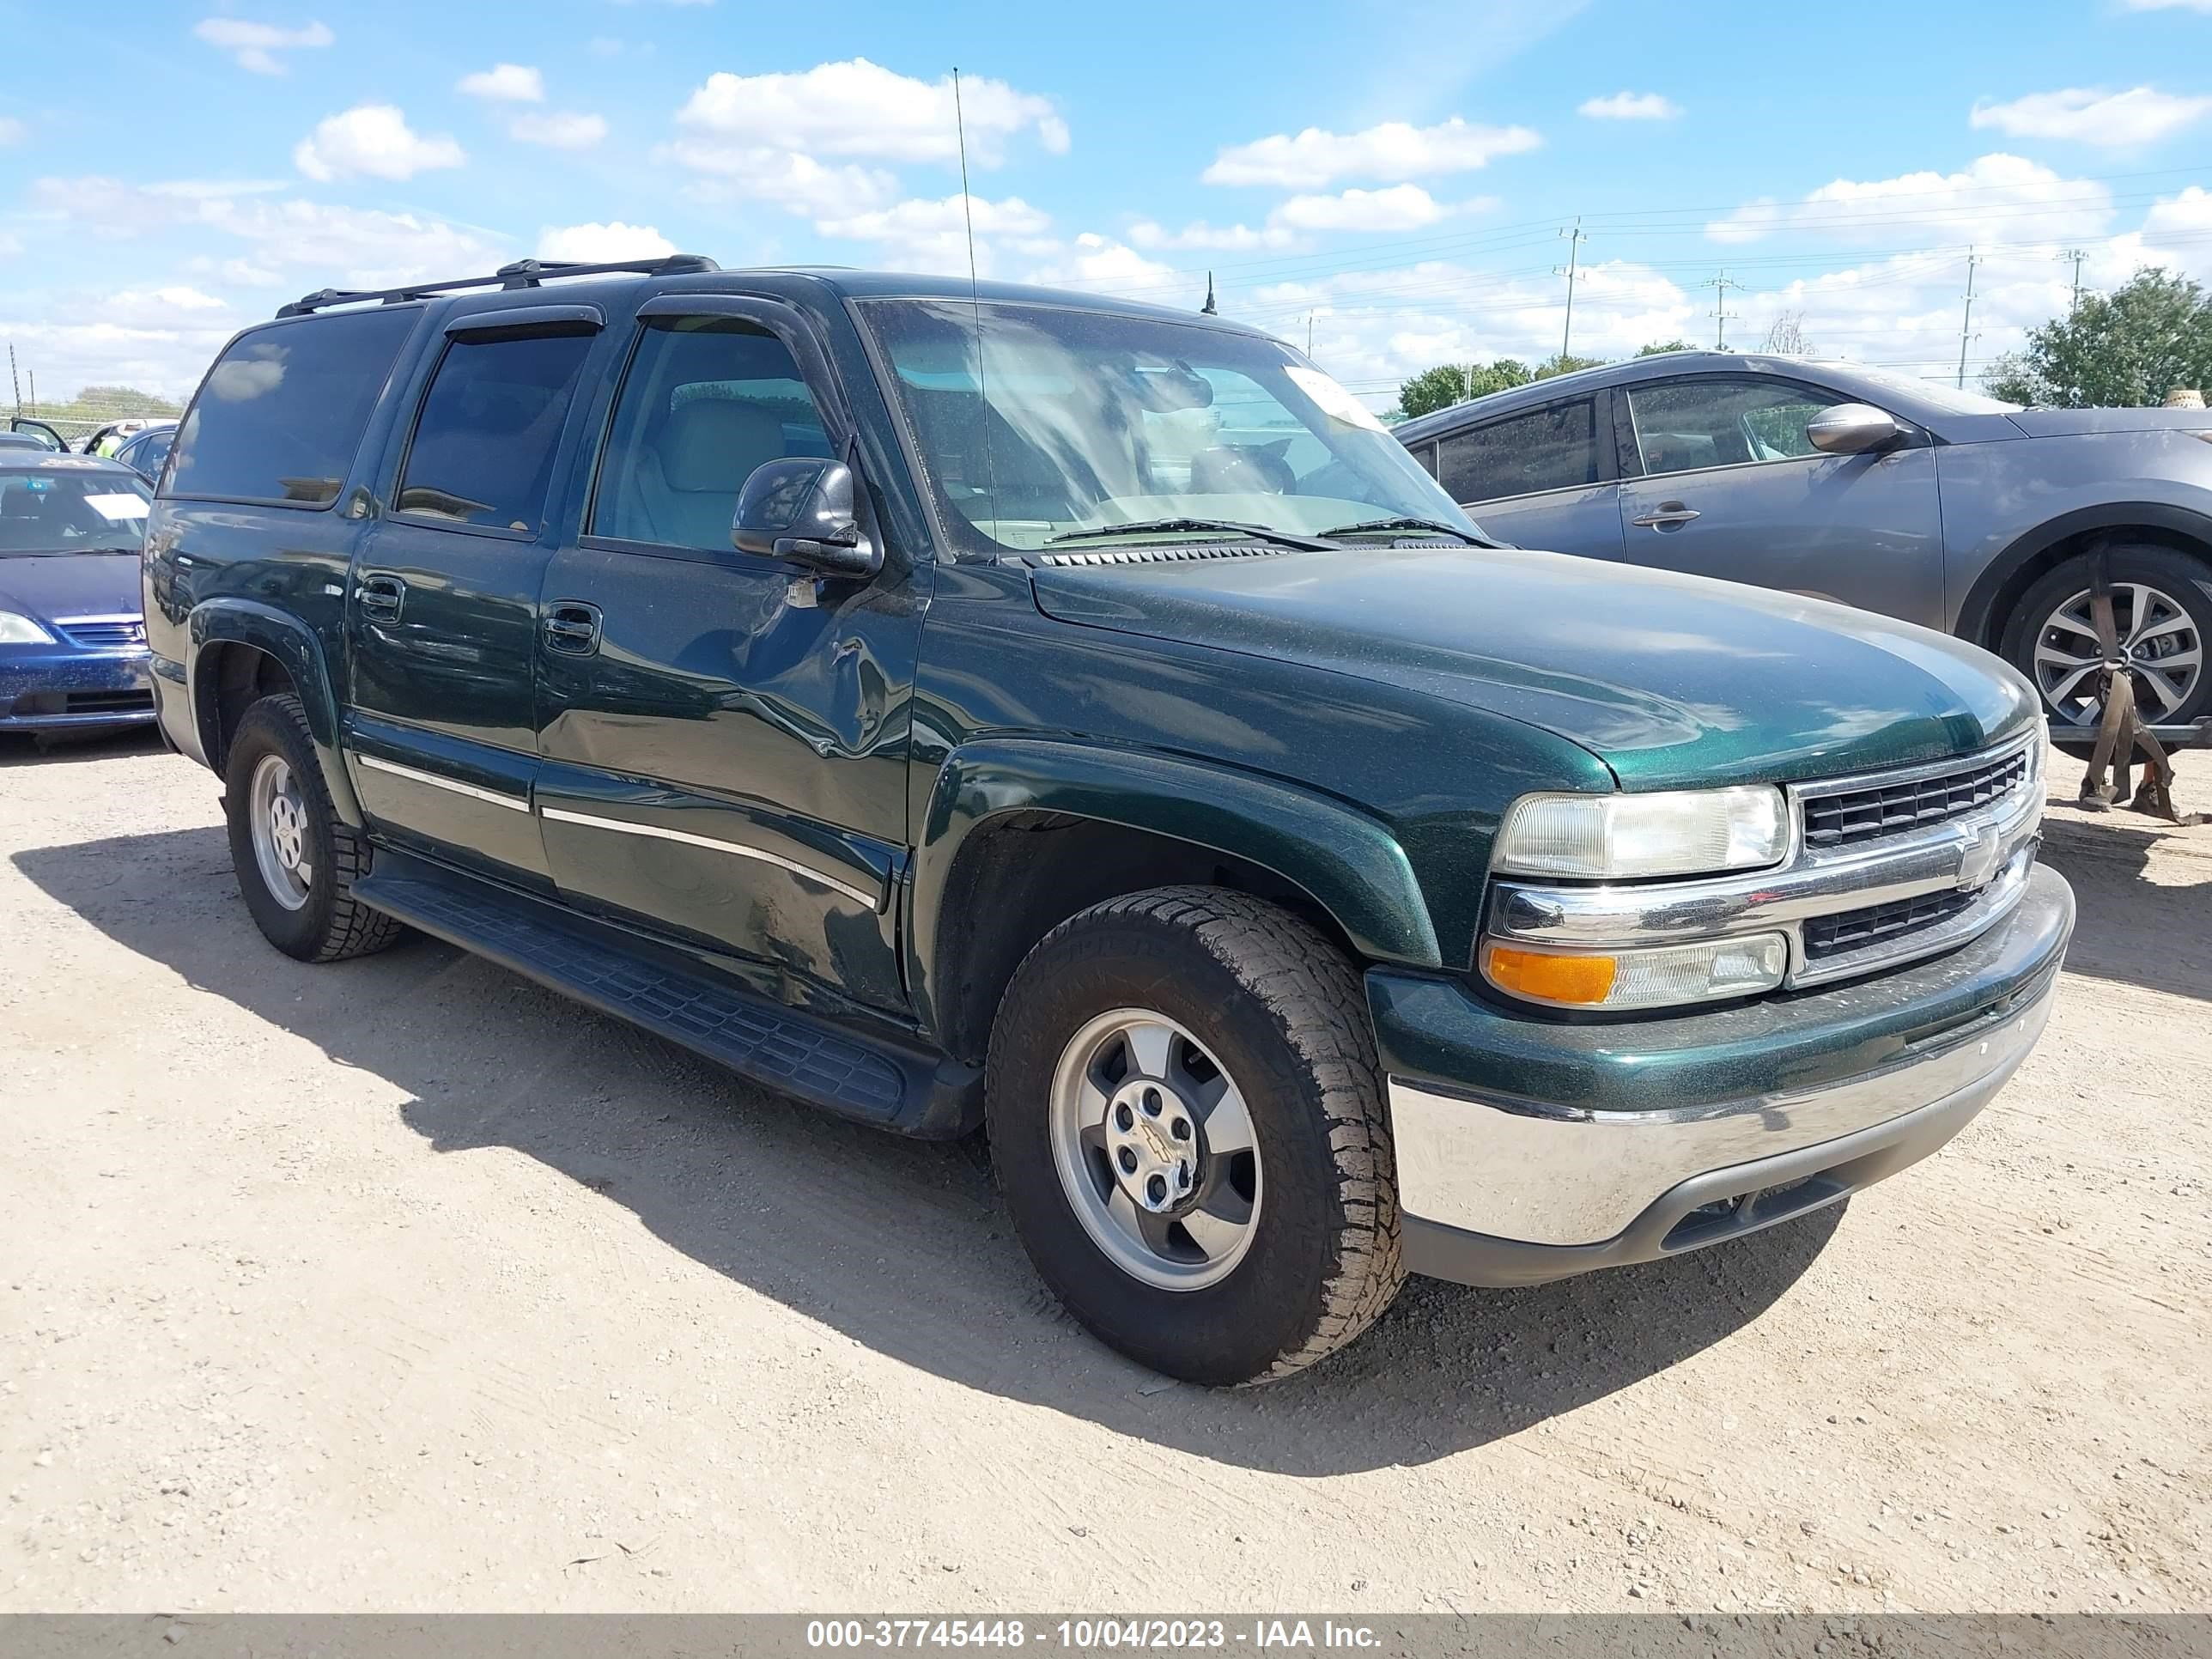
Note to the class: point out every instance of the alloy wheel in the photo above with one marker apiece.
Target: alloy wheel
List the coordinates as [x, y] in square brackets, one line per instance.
[2157, 639]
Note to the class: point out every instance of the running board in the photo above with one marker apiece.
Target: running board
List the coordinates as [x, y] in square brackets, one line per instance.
[783, 1049]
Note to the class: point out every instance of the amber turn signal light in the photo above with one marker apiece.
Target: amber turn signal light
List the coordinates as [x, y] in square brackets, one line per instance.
[1549, 975]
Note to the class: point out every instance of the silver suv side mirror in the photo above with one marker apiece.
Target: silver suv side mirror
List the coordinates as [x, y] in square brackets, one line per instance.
[802, 509]
[1852, 429]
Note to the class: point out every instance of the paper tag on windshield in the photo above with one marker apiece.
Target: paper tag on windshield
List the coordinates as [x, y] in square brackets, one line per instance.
[1335, 401]
[116, 508]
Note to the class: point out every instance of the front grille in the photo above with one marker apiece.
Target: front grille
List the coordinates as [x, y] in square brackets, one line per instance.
[1876, 809]
[1852, 930]
[104, 634]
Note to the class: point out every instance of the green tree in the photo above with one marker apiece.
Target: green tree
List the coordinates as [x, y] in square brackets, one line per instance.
[2117, 350]
[1564, 365]
[1658, 346]
[1454, 383]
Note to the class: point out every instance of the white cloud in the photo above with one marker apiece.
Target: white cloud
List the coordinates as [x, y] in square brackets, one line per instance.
[2167, 5]
[595, 244]
[1997, 197]
[256, 44]
[1102, 264]
[1227, 239]
[783, 177]
[927, 235]
[1401, 207]
[372, 139]
[505, 83]
[1396, 149]
[2091, 115]
[1630, 107]
[12, 132]
[858, 108]
[559, 129]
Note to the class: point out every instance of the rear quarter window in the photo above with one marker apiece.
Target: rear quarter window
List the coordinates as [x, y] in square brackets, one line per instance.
[281, 414]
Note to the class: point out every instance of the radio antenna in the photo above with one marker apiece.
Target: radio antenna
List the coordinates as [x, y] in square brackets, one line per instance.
[975, 304]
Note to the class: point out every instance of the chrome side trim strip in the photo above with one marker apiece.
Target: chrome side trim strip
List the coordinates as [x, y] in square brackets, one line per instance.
[624, 827]
[1545, 1174]
[377, 763]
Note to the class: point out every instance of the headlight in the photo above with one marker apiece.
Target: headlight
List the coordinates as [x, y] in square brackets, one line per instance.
[1663, 976]
[1624, 837]
[21, 631]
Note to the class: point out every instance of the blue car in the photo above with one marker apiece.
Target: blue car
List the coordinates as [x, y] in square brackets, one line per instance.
[72, 632]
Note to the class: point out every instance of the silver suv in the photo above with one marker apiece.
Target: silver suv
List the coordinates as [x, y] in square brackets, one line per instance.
[1942, 508]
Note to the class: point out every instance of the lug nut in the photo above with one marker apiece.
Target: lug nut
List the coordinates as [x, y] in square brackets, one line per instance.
[1124, 1118]
[1128, 1161]
[1151, 1103]
[1157, 1189]
[1180, 1128]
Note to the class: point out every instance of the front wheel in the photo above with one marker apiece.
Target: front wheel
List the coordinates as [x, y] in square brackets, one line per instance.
[296, 860]
[1188, 1128]
[2162, 620]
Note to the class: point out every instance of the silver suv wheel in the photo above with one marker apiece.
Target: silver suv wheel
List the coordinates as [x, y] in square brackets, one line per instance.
[2156, 636]
[1156, 1150]
[278, 818]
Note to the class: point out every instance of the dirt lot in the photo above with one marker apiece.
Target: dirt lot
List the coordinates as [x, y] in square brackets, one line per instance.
[404, 1284]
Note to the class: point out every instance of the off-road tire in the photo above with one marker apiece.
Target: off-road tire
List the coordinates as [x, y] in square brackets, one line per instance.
[1283, 1011]
[333, 925]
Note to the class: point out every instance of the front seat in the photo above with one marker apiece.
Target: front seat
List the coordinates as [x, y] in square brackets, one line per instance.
[687, 483]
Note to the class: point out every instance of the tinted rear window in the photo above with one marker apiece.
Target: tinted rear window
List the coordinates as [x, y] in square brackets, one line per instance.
[1551, 448]
[281, 414]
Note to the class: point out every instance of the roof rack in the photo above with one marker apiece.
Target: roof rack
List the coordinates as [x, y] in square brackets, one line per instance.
[523, 273]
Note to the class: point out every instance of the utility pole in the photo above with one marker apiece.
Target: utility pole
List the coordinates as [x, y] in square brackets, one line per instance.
[1576, 237]
[2077, 255]
[16, 384]
[1966, 322]
[1722, 315]
[1308, 334]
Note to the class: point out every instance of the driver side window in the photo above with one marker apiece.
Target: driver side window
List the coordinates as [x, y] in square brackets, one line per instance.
[705, 401]
[1684, 425]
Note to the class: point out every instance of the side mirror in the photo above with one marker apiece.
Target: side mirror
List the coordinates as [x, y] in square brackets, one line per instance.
[801, 509]
[1852, 429]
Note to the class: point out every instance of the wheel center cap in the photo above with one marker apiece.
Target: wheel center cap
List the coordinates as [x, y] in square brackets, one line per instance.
[1151, 1141]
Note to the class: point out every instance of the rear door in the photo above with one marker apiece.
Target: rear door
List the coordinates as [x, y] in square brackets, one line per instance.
[443, 605]
[725, 739]
[1733, 488]
[1540, 478]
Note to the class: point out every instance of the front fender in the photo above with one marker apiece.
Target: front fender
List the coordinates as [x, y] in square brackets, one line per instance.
[225, 622]
[1348, 862]
[2190, 517]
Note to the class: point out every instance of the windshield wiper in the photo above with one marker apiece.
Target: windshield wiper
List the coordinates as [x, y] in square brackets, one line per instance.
[1436, 524]
[1206, 526]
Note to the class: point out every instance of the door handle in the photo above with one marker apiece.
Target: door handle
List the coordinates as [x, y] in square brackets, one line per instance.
[572, 627]
[381, 597]
[1669, 514]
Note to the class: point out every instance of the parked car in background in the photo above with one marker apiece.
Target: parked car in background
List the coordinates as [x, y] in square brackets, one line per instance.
[144, 454]
[24, 429]
[104, 441]
[1942, 508]
[72, 635]
[1303, 890]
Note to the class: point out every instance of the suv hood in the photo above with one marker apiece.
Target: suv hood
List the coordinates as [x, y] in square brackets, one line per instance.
[1673, 681]
[2071, 423]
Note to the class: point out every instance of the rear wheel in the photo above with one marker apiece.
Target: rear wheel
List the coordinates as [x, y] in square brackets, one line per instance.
[1187, 1122]
[296, 860]
[2162, 622]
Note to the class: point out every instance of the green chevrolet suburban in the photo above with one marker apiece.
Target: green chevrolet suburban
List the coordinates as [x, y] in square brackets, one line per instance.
[975, 706]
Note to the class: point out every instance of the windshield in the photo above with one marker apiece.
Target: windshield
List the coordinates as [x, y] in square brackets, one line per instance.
[61, 505]
[1080, 420]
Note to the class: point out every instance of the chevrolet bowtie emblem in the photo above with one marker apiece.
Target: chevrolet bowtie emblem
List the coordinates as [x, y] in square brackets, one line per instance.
[1978, 861]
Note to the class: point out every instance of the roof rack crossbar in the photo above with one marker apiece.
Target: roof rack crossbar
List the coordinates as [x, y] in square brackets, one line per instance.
[523, 273]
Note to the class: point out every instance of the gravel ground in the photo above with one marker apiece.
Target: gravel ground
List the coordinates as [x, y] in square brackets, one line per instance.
[404, 1284]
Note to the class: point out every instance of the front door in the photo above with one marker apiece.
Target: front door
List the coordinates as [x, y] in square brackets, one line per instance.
[724, 740]
[443, 606]
[1735, 488]
[1539, 479]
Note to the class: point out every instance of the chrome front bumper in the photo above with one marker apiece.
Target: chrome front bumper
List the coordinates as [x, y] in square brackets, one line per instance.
[1496, 1189]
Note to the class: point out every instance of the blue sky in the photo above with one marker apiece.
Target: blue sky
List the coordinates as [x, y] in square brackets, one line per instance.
[1393, 177]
